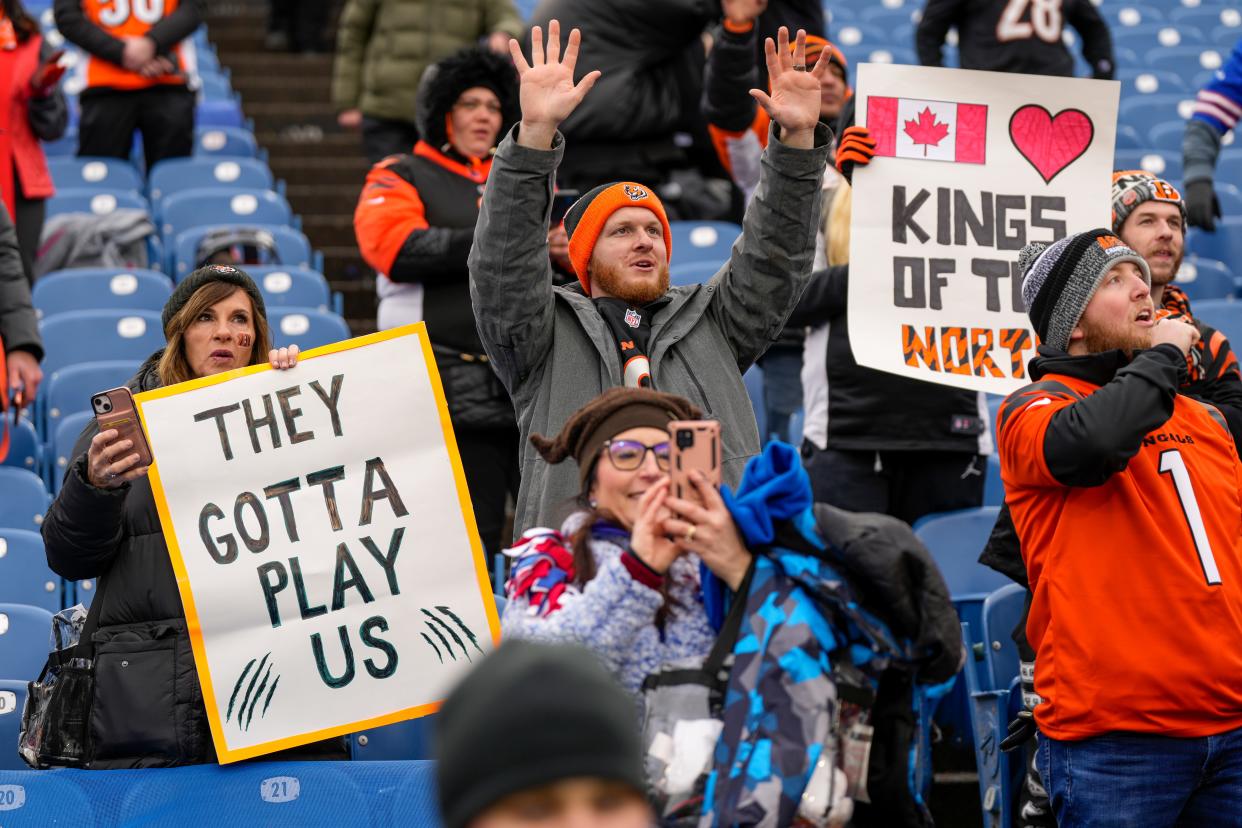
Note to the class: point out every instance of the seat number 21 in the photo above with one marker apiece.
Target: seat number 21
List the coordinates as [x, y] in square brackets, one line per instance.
[1172, 464]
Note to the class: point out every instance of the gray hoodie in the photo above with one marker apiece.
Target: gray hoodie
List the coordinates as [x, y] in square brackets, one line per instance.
[554, 352]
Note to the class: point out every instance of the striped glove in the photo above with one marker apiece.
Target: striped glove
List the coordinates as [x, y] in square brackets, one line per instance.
[857, 148]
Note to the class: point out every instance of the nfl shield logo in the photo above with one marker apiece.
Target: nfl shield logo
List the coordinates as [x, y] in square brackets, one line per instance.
[632, 318]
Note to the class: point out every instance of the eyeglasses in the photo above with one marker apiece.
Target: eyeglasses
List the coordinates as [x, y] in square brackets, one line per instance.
[471, 104]
[628, 455]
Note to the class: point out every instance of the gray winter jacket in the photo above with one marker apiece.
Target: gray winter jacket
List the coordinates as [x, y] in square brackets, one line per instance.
[553, 351]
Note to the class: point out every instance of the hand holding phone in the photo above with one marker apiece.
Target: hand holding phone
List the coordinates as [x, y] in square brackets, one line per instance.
[119, 453]
[696, 445]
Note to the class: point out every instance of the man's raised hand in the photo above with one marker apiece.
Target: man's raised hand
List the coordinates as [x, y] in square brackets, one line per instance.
[548, 92]
[794, 102]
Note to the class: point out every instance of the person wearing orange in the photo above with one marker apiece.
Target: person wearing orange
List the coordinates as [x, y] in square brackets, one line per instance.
[35, 112]
[138, 60]
[1127, 499]
[415, 223]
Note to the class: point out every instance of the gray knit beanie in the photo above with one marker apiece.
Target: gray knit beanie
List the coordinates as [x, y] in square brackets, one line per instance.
[1059, 279]
[188, 286]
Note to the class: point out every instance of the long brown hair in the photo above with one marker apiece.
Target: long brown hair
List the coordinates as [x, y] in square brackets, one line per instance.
[174, 367]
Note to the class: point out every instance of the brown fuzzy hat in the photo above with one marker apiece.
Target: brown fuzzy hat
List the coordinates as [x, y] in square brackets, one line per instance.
[612, 412]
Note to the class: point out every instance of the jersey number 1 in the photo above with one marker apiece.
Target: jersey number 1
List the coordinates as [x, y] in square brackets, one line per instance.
[1172, 464]
[146, 11]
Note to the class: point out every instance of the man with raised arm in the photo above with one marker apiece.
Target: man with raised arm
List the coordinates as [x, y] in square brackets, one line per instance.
[557, 347]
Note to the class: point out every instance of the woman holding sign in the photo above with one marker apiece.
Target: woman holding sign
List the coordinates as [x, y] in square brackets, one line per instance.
[622, 576]
[147, 709]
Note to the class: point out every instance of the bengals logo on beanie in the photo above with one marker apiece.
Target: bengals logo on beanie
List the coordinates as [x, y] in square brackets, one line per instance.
[1133, 187]
[585, 220]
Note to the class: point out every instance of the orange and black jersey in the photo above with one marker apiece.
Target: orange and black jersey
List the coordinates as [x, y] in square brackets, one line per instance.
[1127, 499]
[415, 223]
[99, 26]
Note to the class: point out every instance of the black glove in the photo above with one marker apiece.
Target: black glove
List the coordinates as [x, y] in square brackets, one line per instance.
[1021, 730]
[1202, 206]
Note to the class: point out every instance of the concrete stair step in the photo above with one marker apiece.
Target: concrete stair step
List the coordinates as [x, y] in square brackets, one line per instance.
[344, 171]
[327, 146]
[332, 230]
[264, 64]
[275, 88]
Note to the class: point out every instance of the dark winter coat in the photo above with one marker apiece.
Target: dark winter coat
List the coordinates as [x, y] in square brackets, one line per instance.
[148, 707]
[19, 326]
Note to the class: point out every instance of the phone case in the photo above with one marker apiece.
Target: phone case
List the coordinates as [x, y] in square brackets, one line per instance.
[114, 408]
[701, 450]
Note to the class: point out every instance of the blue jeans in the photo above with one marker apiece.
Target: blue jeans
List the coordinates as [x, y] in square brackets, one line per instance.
[1136, 779]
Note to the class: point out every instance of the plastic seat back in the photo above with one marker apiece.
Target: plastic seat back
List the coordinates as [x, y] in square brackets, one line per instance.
[24, 634]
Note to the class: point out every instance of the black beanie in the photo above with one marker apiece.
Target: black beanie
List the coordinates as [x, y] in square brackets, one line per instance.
[188, 286]
[531, 715]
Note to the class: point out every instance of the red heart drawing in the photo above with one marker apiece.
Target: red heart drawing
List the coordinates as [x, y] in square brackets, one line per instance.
[1050, 143]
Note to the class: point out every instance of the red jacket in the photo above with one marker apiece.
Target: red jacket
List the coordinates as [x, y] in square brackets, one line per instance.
[18, 141]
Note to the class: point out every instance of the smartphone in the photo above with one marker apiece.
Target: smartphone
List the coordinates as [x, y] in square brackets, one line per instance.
[562, 200]
[114, 408]
[695, 445]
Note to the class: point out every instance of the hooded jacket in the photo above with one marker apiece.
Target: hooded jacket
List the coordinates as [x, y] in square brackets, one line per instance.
[148, 708]
[19, 326]
[553, 350]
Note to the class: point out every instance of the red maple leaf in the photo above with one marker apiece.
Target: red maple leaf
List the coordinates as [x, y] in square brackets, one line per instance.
[926, 130]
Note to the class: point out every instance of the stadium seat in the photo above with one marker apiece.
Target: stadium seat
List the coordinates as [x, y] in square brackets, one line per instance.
[1229, 196]
[1205, 279]
[99, 202]
[24, 449]
[1224, 245]
[24, 574]
[1144, 81]
[25, 499]
[1167, 165]
[94, 174]
[955, 540]
[993, 488]
[702, 241]
[68, 390]
[1186, 61]
[24, 633]
[207, 59]
[1222, 314]
[178, 174]
[98, 288]
[226, 113]
[64, 435]
[693, 273]
[1229, 166]
[306, 327]
[66, 146]
[274, 795]
[220, 140]
[1147, 36]
[214, 87]
[12, 700]
[892, 54]
[1128, 138]
[1167, 137]
[753, 380]
[1206, 17]
[83, 336]
[1131, 15]
[292, 248]
[1225, 36]
[1002, 612]
[292, 286]
[46, 798]
[202, 206]
[410, 739]
[1144, 111]
[416, 801]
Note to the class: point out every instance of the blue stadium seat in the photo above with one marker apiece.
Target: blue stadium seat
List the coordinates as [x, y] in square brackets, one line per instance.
[25, 499]
[292, 286]
[202, 206]
[214, 87]
[1224, 37]
[45, 798]
[83, 336]
[207, 59]
[1147, 36]
[1229, 166]
[1224, 245]
[410, 739]
[1131, 15]
[1230, 198]
[955, 540]
[1167, 137]
[227, 113]
[1187, 61]
[306, 327]
[1206, 279]
[888, 15]
[1128, 138]
[178, 174]
[1167, 165]
[99, 202]
[25, 451]
[1143, 111]
[64, 436]
[892, 54]
[1222, 314]
[292, 247]
[1002, 611]
[753, 380]
[24, 574]
[24, 634]
[693, 273]
[1205, 17]
[94, 174]
[221, 140]
[993, 487]
[12, 700]
[66, 146]
[1144, 81]
[417, 802]
[853, 38]
[274, 795]
[702, 241]
[98, 288]
[68, 391]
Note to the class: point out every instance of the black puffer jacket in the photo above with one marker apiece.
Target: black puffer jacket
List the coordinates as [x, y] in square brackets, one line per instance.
[148, 709]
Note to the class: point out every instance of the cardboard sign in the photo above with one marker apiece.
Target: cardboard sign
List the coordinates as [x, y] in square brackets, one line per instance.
[323, 541]
[969, 167]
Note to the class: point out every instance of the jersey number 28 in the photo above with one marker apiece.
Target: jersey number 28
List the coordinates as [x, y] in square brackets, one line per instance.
[1045, 23]
[1172, 464]
[145, 11]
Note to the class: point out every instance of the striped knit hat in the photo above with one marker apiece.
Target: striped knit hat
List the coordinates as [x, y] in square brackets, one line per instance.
[1059, 279]
[586, 218]
[1133, 187]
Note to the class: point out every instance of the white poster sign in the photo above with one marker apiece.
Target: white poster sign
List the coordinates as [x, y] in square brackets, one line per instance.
[969, 167]
[323, 541]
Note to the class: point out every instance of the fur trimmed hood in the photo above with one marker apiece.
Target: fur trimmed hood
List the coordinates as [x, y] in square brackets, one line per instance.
[443, 83]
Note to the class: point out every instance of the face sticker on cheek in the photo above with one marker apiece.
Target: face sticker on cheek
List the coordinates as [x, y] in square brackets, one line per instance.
[244, 340]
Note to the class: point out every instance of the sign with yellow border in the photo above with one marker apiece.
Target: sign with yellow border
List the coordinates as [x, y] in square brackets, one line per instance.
[323, 541]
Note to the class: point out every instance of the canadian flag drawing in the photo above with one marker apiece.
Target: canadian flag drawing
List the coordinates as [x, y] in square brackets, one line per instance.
[931, 130]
